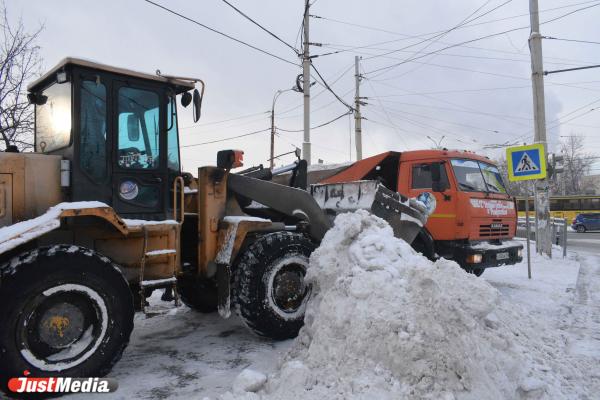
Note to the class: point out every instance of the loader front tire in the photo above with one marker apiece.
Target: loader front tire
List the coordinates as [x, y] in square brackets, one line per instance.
[64, 311]
[270, 294]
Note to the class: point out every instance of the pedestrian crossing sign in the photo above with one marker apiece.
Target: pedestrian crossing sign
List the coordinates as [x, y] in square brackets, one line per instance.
[526, 162]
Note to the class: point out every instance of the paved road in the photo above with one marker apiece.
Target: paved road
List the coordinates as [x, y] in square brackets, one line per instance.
[588, 242]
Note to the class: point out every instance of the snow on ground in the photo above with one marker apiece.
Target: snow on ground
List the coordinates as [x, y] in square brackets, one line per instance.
[386, 323]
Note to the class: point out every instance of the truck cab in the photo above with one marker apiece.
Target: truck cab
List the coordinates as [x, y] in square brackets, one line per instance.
[474, 218]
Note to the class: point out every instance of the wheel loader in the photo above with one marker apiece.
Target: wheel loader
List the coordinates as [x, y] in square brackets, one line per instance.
[100, 214]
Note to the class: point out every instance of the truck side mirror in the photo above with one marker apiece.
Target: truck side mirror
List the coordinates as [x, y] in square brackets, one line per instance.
[437, 185]
[133, 128]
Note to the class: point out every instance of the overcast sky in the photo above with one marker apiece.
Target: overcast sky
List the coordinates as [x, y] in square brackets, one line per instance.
[474, 95]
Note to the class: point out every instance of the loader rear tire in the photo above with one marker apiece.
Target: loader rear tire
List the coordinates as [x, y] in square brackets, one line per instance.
[64, 311]
[270, 294]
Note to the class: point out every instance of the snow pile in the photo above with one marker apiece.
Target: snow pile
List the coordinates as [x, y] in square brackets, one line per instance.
[386, 323]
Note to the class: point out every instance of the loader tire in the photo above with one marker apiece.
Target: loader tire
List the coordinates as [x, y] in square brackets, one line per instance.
[270, 294]
[199, 295]
[64, 311]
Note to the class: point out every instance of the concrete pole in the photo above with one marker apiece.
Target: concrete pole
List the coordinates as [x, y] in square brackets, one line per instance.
[306, 89]
[542, 198]
[357, 116]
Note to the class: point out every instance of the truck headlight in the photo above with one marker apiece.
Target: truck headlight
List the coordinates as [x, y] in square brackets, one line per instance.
[474, 258]
[520, 253]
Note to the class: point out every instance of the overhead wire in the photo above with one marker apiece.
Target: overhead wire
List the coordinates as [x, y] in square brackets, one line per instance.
[227, 138]
[447, 31]
[317, 126]
[389, 67]
[387, 116]
[219, 32]
[261, 27]
[407, 37]
[328, 87]
[225, 120]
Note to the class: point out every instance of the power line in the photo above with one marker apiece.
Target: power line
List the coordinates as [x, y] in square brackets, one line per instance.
[407, 37]
[219, 32]
[322, 91]
[389, 67]
[458, 69]
[225, 120]
[456, 55]
[443, 33]
[318, 126]
[387, 116]
[463, 22]
[228, 138]
[488, 49]
[324, 82]
[455, 91]
[261, 27]
[318, 108]
[430, 127]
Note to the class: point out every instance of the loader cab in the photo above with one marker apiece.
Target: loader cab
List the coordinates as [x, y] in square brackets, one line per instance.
[119, 131]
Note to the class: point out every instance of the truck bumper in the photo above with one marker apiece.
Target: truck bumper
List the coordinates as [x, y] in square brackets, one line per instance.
[484, 255]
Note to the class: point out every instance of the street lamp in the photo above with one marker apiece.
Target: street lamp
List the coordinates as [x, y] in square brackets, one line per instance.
[438, 144]
[272, 160]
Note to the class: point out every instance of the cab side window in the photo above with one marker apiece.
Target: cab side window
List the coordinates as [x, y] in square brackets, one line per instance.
[92, 153]
[421, 176]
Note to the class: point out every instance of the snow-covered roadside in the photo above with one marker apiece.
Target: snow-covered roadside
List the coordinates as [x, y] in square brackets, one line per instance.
[185, 355]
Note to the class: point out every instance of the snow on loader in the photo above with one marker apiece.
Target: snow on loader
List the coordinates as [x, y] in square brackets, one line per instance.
[101, 214]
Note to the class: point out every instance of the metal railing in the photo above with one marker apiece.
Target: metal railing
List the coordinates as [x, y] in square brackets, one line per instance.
[559, 227]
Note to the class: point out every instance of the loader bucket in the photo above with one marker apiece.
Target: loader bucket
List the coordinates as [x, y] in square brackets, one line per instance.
[406, 217]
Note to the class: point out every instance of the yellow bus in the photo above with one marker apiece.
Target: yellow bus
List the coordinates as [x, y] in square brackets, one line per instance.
[564, 206]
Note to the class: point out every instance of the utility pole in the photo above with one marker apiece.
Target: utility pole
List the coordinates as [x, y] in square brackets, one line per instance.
[542, 196]
[357, 116]
[306, 86]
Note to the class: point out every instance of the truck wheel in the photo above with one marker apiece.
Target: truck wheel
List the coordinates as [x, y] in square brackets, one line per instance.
[64, 311]
[476, 271]
[270, 294]
[580, 228]
[199, 295]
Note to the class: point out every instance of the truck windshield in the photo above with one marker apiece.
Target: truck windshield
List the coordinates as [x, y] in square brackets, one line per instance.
[477, 176]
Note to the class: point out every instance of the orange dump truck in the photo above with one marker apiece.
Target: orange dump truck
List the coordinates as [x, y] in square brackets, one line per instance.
[474, 220]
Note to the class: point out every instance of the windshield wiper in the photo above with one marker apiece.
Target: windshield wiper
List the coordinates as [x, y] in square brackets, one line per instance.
[467, 186]
[493, 187]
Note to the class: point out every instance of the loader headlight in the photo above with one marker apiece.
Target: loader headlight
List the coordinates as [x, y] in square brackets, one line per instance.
[520, 253]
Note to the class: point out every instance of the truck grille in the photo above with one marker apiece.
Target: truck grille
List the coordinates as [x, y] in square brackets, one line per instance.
[495, 229]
